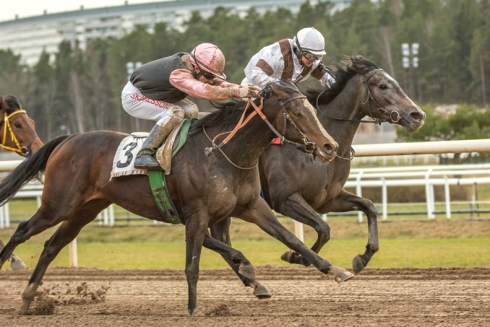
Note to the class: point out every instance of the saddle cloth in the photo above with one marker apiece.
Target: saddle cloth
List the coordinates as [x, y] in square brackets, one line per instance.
[123, 163]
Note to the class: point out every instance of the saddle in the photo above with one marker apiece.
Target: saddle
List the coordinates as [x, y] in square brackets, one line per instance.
[123, 163]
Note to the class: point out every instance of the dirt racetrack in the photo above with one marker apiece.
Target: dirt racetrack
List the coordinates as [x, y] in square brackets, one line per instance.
[300, 297]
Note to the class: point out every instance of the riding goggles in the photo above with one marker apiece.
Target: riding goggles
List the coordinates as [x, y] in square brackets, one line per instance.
[207, 75]
[311, 57]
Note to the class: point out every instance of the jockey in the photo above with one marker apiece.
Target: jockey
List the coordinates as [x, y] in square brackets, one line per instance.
[157, 91]
[295, 59]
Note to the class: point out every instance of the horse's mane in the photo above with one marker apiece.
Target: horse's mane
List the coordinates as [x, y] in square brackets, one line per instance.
[229, 112]
[342, 73]
[10, 103]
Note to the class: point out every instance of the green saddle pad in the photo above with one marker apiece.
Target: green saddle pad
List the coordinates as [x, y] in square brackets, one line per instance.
[157, 180]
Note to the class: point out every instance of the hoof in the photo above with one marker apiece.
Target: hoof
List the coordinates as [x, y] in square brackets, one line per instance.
[17, 264]
[247, 271]
[357, 264]
[262, 292]
[343, 276]
[287, 256]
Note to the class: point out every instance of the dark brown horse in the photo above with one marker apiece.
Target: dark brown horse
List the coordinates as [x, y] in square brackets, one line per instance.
[300, 188]
[205, 186]
[17, 134]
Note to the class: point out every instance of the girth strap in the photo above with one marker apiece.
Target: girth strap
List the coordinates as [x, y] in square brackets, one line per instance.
[162, 198]
[157, 181]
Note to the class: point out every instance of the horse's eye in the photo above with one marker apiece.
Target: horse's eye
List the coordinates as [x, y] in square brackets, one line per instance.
[383, 87]
[297, 113]
[18, 125]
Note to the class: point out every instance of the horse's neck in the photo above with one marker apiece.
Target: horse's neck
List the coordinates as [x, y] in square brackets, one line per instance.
[346, 105]
[246, 146]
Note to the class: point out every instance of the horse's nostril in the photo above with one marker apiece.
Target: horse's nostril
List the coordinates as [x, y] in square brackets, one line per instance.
[416, 115]
[329, 148]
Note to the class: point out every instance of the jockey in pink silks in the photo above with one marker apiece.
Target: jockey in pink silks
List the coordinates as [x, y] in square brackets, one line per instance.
[157, 91]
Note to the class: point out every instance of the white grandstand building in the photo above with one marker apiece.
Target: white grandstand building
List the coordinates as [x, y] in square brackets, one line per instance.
[28, 37]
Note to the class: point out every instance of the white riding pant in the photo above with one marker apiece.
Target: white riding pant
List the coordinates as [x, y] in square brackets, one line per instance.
[139, 106]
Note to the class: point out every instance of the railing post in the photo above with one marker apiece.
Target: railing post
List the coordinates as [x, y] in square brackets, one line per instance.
[7, 216]
[111, 215]
[384, 193]
[73, 253]
[2, 224]
[298, 231]
[447, 196]
[429, 195]
[359, 194]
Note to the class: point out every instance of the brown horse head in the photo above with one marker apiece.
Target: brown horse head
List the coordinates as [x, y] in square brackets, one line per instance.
[17, 130]
[299, 116]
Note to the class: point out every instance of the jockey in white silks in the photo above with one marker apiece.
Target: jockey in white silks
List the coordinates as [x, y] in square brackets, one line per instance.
[295, 59]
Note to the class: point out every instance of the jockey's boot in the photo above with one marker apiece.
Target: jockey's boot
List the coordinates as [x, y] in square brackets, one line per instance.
[144, 158]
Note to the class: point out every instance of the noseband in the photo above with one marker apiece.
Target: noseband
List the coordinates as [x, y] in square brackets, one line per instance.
[24, 151]
[394, 115]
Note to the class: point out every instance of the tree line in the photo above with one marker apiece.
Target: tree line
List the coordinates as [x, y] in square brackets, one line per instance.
[79, 90]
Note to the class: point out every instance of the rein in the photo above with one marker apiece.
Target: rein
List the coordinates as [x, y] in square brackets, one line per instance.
[19, 149]
[307, 146]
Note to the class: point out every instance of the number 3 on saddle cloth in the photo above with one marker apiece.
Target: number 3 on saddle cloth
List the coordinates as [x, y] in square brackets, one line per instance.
[123, 165]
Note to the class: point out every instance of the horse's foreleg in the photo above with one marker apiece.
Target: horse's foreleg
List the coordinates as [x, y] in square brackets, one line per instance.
[262, 216]
[347, 201]
[195, 232]
[220, 243]
[298, 209]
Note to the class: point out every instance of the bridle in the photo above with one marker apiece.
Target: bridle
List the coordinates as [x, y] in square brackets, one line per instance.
[24, 151]
[394, 116]
[307, 145]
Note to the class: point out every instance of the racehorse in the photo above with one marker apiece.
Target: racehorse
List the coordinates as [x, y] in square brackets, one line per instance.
[300, 188]
[208, 182]
[17, 134]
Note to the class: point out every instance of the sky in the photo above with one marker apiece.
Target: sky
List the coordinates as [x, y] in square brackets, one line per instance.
[27, 8]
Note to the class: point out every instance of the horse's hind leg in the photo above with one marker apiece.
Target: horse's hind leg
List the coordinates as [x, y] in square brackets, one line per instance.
[220, 242]
[65, 233]
[37, 224]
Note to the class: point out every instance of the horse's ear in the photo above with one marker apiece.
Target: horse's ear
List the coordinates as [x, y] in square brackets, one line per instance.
[359, 64]
[276, 89]
[3, 105]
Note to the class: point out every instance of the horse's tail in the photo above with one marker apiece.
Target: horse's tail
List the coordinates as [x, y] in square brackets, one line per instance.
[28, 169]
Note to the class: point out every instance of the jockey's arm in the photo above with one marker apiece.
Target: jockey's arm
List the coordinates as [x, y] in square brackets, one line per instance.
[183, 80]
[322, 74]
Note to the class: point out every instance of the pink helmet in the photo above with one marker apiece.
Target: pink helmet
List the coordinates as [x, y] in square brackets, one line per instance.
[209, 57]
